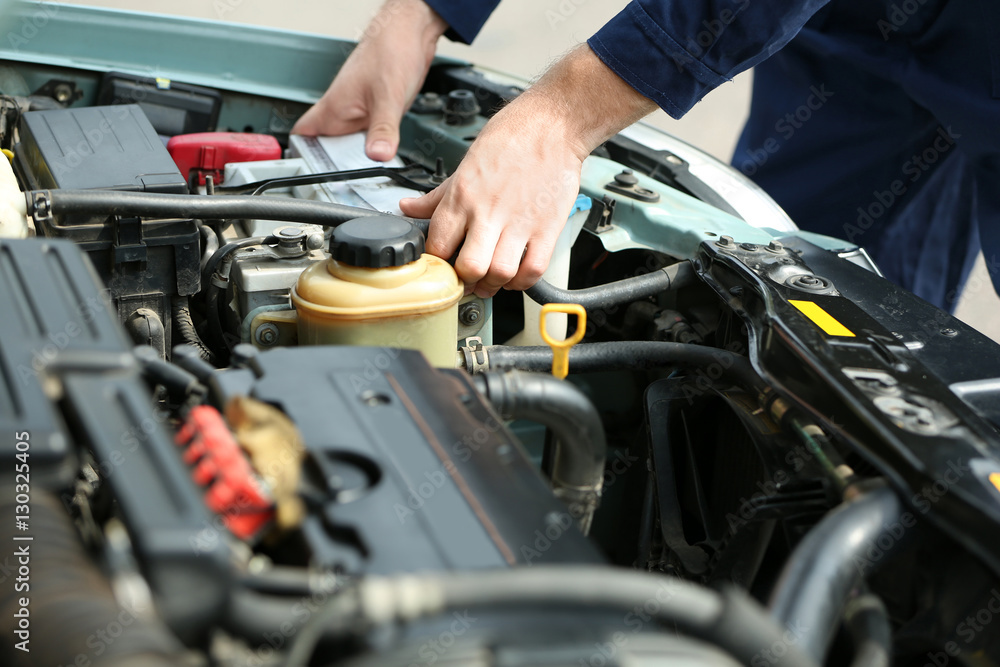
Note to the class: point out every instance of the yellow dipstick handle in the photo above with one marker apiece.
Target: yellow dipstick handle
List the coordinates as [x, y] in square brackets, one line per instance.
[560, 348]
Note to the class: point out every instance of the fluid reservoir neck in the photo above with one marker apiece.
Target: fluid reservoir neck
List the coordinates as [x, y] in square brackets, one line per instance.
[384, 278]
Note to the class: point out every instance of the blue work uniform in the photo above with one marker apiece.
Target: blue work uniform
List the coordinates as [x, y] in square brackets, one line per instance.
[874, 121]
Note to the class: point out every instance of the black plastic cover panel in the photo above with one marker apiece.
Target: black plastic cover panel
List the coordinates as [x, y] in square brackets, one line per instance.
[110, 147]
[412, 471]
[51, 306]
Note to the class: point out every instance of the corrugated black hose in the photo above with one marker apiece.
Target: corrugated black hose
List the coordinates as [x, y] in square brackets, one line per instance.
[71, 609]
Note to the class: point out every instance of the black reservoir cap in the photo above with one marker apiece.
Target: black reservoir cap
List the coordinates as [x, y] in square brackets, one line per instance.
[377, 242]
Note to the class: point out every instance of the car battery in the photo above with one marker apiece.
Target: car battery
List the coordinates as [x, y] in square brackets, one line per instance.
[143, 263]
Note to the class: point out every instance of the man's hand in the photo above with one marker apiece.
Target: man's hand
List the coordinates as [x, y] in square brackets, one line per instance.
[380, 79]
[513, 192]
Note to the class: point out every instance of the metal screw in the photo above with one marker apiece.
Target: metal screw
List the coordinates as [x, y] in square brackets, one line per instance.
[752, 247]
[775, 246]
[266, 334]
[725, 241]
[470, 313]
[949, 332]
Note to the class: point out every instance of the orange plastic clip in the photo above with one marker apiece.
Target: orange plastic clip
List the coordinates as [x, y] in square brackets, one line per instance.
[560, 348]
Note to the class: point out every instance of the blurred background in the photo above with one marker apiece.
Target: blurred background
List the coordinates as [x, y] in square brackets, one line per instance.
[522, 37]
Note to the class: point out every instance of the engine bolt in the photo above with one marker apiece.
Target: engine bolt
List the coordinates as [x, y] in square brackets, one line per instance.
[470, 313]
[949, 332]
[266, 334]
[725, 241]
[775, 246]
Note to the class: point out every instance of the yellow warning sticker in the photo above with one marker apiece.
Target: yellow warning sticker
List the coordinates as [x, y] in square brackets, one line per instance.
[995, 479]
[824, 320]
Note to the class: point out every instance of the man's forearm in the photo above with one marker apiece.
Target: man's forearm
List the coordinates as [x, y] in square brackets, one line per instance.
[585, 102]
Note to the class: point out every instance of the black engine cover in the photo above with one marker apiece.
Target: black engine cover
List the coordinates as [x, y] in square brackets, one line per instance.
[417, 471]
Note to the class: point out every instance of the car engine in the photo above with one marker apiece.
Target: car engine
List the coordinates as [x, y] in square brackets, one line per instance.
[251, 422]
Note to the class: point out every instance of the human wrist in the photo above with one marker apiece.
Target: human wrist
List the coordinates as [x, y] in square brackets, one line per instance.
[583, 101]
[415, 15]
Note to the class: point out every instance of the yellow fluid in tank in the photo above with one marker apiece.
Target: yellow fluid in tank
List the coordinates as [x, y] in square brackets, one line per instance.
[380, 289]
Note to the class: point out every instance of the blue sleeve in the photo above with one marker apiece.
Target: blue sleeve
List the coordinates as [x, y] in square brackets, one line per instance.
[465, 18]
[677, 51]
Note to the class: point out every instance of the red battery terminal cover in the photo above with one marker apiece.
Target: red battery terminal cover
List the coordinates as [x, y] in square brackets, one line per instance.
[233, 490]
[208, 152]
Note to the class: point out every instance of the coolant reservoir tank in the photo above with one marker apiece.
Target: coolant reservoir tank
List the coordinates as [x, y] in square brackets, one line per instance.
[379, 288]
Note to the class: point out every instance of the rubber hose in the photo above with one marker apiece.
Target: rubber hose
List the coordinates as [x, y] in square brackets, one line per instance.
[181, 310]
[72, 609]
[632, 355]
[562, 407]
[222, 253]
[211, 243]
[731, 620]
[871, 632]
[189, 358]
[179, 383]
[820, 575]
[201, 207]
[627, 290]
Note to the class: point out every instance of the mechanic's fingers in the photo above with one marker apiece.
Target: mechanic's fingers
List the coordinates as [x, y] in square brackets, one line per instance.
[322, 121]
[383, 130]
[308, 124]
[503, 265]
[424, 205]
[533, 265]
[477, 254]
[447, 229]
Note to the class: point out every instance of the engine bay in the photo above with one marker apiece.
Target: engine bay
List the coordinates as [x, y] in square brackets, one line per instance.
[251, 422]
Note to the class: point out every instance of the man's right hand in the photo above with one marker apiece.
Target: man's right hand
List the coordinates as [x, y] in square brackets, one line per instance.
[380, 79]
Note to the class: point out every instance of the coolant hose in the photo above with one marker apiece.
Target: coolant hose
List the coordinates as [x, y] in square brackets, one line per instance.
[179, 383]
[622, 291]
[730, 620]
[200, 207]
[830, 561]
[72, 612]
[868, 623]
[712, 363]
[581, 448]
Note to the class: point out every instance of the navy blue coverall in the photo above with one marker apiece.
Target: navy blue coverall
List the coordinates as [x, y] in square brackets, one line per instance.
[874, 121]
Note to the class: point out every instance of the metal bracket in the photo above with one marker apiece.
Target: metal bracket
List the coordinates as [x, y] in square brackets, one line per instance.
[601, 213]
[476, 359]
